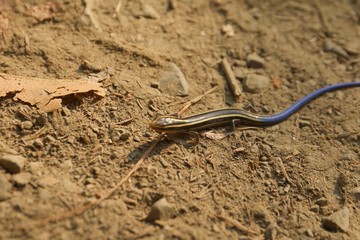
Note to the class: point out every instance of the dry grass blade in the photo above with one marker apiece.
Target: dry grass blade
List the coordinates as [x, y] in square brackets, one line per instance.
[80, 210]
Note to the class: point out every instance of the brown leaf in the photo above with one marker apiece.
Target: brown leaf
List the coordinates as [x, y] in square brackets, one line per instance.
[46, 94]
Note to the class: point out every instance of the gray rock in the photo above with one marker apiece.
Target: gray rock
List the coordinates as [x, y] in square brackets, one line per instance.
[322, 202]
[256, 83]
[356, 193]
[337, 221]
[160, 210]
[21, 179]
[253, 60]
[26, 125]
[12, 163]
[38, 143]
[4, 195]
[271, 231]
[5, 186]
[174, 82]
[330, 46]
[150, 12]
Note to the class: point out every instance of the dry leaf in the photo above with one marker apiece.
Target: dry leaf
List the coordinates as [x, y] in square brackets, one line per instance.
[277, 82]
[213, 135]
[46, 94]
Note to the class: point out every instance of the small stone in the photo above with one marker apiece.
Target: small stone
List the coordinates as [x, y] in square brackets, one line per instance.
[71, 139]
[256, 83]
[4, 188]
[271, 231]
[337, 221]
[356, 193]
[35, 168]
[150, 12]
[66, 111]
[253, 60]
[49, 138]
[124, 134]
[315, 208]
[228, 30]
[309, 233]
[121, 134]
[322, 202]
[26, 125]
[66, 165]
[47, 181]
[21, 179]
[174, 82]
[239, 63]
[330, 46]
[41, 120]
[44, 194]
[70, 186]
[4, 195]
[154, 84]
[38, 143]
[160, 210]
[12, 163]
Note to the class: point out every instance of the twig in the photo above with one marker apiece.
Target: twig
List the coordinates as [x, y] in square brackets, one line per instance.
[238, 225]
[117, 9]
[195, 100]
[234, 84]
[283, 169]
[88, 12]
[80, 210]
[37, 134]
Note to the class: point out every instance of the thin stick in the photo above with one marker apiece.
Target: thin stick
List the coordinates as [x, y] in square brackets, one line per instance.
[234, 84]
[238, 225]
[195, 100]
[283, 169]
[117, 9]
[80, 210]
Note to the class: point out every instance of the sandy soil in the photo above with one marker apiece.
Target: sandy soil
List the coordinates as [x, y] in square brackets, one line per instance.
[282, 182]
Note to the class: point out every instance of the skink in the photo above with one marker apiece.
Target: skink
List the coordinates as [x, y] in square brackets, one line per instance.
[171, 125]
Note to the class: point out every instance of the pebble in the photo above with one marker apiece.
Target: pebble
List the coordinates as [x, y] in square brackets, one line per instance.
[67, 165]
[315, 208]
[150, 12]
[160, 210]
[356, 193]
[330, 46]
[47, 181]
[337, 221]
[228, 30]
[66, 111]
[35, 168]
[12, 163]
[49, 139]
[322, 202]
[21, 179]
[41, 120]
[253, 60]
[174, 82]
[256, 83]
[4, 188]
[70, 186]
[26, 125]
[38, 143]
[122, 135]
[271, 231]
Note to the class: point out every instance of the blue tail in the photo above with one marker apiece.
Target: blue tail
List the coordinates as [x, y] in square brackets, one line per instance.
[277, 118]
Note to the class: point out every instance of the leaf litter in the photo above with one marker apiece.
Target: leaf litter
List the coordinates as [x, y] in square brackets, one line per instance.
[46, 94]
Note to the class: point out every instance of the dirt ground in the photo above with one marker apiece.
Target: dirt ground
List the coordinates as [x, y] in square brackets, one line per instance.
[283, 182]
